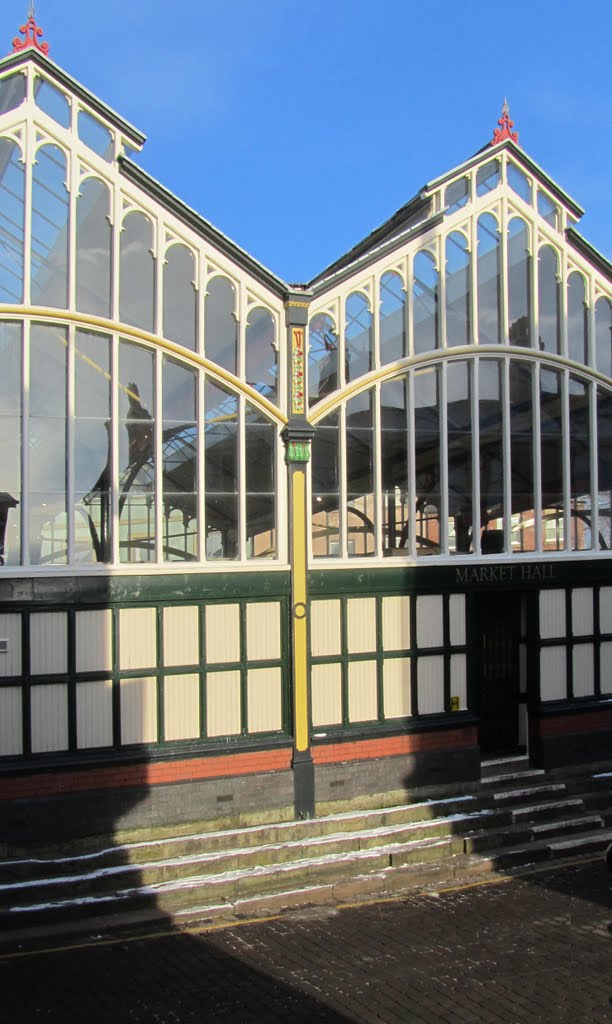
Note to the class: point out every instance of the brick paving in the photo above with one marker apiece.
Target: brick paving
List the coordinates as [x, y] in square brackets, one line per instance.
[534, 950]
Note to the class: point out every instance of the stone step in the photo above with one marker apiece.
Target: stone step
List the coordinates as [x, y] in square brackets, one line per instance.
[535, 793]
[549, 809]
[512, 778]
[586, 823]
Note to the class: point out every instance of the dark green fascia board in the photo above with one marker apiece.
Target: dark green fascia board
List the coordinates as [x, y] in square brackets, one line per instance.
[573, 707]
[407, 727]
[204, 228]
[15, 60]
[585, 248]
[141, 589]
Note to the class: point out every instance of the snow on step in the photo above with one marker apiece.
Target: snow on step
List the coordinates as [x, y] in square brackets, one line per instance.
[551, 826]
[515, 794]
[512, 776]
[570, 844]
[558, 805]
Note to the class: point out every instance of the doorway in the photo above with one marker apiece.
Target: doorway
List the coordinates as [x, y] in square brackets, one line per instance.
[497, 632]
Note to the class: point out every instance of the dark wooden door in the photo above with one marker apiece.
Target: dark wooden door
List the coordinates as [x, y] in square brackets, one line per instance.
[498, 632]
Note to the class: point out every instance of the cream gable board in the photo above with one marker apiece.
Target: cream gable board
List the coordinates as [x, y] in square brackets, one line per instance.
[361, 625]
[552, 614]
[264, 700]
[181, 635]
[362, 693]
[605, 609]
[396, 623]
[458, 679]
[10, 721]
[94, 714]
[181, 707]
[138, 710]
[553, 674]
[223, 714]
[325, 628]
[396, 688]
[457, 619]
[137, 638]
[326, 688]
[94, 641]
[582, 611]
[49, 718]
[431, 685]
[48, 643]
[222, 633]
[605, 668]
[429, 623]
[583, 670]
[263, 631]
[10, 629]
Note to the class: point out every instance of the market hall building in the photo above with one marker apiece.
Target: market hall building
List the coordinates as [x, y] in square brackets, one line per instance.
[268, 549]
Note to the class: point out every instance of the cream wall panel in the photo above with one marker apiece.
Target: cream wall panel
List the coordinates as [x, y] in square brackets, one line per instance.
[182, 707]
[325, 628]
[94, 710]
[10, 629]
[396, 623]
[458, 684]
[396, 687]
[457, 619]
[265, 713]
[94, 641]
[222, 633]
[431, 685]
[326, 688]
[263, 631]
[181, 636]
[10, 721]
[605, 668]
[582, 611]
[605, 609]
[553, 674]
[138, 711]
[429, 623]
[223, 703]
[361, 625]
[552, 614]
[583, 670]
[48, 645]
[49, 720]
[138, 638]
[362, 695]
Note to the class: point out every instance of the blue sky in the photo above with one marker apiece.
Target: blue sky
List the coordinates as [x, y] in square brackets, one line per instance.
[296, 128]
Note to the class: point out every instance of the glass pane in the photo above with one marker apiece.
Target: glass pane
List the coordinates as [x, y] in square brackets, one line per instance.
[12, 200]
[456, 195]
[136, 454]
[548, 295]
[12, 91]
[322, 357]
[427, 460]
[358, 337]
[521, 456]
[137, 272]
[394, 459]
[603, 336]
[547, 209]
[50, 214]
[604, 468]
[361, 538]
[581, 504]
[519, 283]
[459, 420]
[260, 485]
[95, 135]
[221, 324]
[180, 296]
[491, 455]
[10, 444]
[489, 281]
[52, 101]
[425, 303]
[392, 318]
[519, 183]
[262, 353]
[551, 448]
[577, 320]
[92, 448]
[179, 462]
[458, 325]
[325, 489]
[93, 248]
[487, 177]
[47, 445]
[221, 472]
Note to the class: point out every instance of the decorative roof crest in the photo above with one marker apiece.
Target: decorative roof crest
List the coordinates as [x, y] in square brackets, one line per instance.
[32, 34]
[504, 132]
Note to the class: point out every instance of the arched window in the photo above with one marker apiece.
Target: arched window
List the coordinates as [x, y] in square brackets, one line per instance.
[358, 343]
[521, 442]
[10, 442]
[12, 201]
[488, 178]
[137, 272]
[12, 91]
[493, 512]
[603, 336]
[459, 440]
[326, 527]
[549, 323]
[360, 475]
[221, 324]
[489, 280]
[262, 353]
[260, 484]
[458, 290]
[179, 462]
[425, 303]
[392, 317]
[394, 462]
[47, 447]
[428, 463]
[180, 296]
[92, 459]
[519, 283]
[577, 320]
[604, 467]
[137, 455]
[93, 248]
[581, 501]
[221, 472]
[551, 455]
[322, 357]
[50, 216]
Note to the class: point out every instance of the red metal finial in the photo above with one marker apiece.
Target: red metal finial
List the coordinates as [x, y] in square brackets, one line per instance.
[503, 132]
[32, 33]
